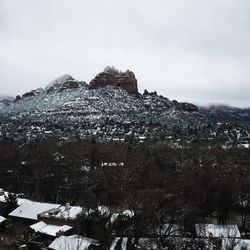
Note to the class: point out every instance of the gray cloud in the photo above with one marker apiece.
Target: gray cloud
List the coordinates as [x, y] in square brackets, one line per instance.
[196, 50]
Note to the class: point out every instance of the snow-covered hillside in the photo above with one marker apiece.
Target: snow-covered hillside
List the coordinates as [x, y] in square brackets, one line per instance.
[68, 108]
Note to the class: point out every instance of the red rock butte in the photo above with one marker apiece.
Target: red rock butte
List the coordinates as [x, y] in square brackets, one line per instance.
[114, 77]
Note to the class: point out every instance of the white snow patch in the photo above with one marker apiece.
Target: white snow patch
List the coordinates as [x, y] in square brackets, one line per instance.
[72, 242]
[229, 231]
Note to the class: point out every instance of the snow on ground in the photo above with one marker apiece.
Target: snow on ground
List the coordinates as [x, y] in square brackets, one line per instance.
[113, 244]
[147, 243]
[72, 242]
[204, 230]
[240, 244]
[124, 243]
[143, 243]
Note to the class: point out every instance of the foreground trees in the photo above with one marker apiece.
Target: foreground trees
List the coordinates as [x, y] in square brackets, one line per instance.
[159, 183]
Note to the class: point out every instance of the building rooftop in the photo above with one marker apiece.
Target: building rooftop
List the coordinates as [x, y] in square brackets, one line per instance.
[63, 212]
[30, 209]
[51, 230]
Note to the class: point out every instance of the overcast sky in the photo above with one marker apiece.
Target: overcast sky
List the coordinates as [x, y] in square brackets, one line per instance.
[189, 50]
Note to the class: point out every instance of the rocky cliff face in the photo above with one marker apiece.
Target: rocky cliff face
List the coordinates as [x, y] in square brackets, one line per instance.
[114, 77]
[64, 82]
[61, 83]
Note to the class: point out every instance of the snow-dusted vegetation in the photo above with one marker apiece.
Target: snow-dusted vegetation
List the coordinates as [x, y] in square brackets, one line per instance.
[102, 166]
[106, 113]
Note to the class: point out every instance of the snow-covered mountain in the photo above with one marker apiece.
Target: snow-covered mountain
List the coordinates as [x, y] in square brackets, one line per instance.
[110, 108]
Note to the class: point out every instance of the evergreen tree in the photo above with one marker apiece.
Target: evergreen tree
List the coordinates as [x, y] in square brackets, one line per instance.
[11, 203]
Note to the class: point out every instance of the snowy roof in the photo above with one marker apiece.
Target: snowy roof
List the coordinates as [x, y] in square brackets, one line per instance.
[30, 209]
[72, 242]
[230, 231]
[52, 230]
[63, 212]
[2, 219]
[37, 226]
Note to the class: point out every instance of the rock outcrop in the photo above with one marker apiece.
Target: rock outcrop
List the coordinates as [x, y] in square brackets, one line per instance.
[61, 83]
[64, 82]
[114, 77]
[30, 94]
[186, 107]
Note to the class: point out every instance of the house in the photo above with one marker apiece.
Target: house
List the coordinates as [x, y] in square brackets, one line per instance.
[61, 215]
[42, 234]
[29, 210]
[75, 242]
[217, 231]
[50, 230]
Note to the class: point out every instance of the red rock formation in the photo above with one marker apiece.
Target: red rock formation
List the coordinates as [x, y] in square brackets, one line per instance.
[111, 76]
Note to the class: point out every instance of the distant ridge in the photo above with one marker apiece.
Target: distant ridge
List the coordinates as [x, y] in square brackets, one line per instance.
[226, 112]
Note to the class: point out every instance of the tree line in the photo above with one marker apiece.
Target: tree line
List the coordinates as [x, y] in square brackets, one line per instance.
[161, 184]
